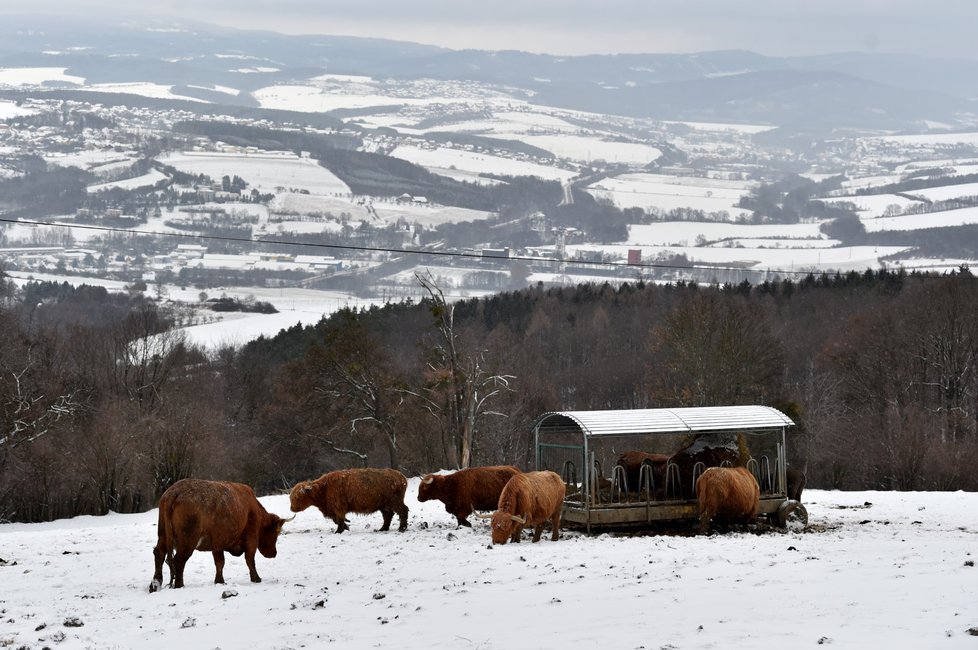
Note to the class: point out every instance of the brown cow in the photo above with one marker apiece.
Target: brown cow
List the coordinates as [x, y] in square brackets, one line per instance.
[795, 479]
[632, 462]
[528, 499]
[362, 491]
[475, 488]
[213, 516]
[728, 493]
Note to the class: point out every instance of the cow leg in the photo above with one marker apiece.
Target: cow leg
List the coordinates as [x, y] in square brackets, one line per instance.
[555, 525]
[463, 520]
[537, 531]
[159, 553]
[402, 514]
[179, 562]
[340, 519]
[388, 516]
[250, 561]
[517, 533]
[218, 567]
[705, 518]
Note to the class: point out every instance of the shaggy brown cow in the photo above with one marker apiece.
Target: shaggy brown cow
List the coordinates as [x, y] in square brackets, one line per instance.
[728, 493]
[475, 488]
[213, 516]
[362, 491]
[632, 462]
[529, 499]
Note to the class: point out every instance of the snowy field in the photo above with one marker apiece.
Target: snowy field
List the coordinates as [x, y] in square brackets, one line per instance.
[437, 159]
[685, 233]
[10, 109]
[36, 76]
[146, 180]
[946, 218]
[661, 192]
[264, 171]
[872, 570]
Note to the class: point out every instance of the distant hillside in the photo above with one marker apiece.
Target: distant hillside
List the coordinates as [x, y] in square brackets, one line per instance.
[846, 90]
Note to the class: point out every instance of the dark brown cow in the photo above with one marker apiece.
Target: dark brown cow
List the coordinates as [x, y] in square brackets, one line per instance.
[361, 491]
[475, 488]
[632, 461]
[727, 493]
[795, 479]
[213, 516]
[529, 499]
[711, 449]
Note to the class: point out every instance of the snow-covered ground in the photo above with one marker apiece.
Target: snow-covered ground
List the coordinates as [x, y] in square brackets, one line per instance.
[664, 193]
[872, 570]
[264, 171]
[437, 159]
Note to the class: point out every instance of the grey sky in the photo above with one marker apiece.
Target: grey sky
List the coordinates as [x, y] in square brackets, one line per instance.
[774, 27]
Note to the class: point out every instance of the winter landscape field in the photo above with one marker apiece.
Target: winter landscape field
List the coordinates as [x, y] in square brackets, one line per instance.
[872, 570]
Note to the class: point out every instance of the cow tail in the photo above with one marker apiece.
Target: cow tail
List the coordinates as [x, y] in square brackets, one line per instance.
[166, 534]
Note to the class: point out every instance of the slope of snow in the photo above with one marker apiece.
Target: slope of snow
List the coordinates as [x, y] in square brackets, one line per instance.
[872, 570]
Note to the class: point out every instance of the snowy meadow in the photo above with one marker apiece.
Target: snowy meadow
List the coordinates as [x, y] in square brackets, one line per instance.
[873, 569]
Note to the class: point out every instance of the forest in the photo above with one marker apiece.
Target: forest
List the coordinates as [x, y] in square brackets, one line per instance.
[104, 404]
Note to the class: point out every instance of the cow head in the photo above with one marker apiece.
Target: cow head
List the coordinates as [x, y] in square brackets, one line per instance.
[430, 487]
[268, 534]
[504, 525]
[301, 496]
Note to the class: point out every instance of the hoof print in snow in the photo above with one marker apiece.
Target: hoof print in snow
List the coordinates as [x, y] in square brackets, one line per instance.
[423, 525]
[379, 596]
[319, 604]
[823, 640]
[451, 537]
[40, 627]
[229, 593]
[190, 622]
[973, 631]
[58, 636]
[969, 562]
[73, 621]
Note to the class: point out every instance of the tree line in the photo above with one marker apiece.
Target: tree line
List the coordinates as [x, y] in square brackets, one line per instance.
[103, 412]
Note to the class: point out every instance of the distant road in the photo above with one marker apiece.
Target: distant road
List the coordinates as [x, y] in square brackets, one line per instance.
[568, 189]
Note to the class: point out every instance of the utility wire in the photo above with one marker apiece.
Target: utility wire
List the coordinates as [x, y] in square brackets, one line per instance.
[406, 251]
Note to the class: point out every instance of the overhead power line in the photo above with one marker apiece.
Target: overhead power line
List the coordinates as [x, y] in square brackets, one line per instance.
[410, 251]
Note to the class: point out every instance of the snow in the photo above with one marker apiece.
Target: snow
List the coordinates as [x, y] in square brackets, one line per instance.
[588, 149]
[146, 180]
[663, 192]
[874, 569]
[36, 76]
[944, 219]
[263, 171]
[445, 158]
[11, 109]
[683, 233]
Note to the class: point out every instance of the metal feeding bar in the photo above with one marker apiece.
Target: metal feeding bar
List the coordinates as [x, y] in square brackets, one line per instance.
[662, 487]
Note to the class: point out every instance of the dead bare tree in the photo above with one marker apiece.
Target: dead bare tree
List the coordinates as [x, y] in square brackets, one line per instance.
[460, 384]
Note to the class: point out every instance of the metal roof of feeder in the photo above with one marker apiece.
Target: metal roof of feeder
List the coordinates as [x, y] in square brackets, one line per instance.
[675, 420]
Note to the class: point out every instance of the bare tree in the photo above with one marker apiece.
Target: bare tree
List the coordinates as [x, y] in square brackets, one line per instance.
[460, 384]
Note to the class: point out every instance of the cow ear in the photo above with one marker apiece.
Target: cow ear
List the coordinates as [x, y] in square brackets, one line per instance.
[306, 489]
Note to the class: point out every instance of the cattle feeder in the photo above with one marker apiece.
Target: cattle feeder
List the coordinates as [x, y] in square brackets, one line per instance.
[629, 468]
